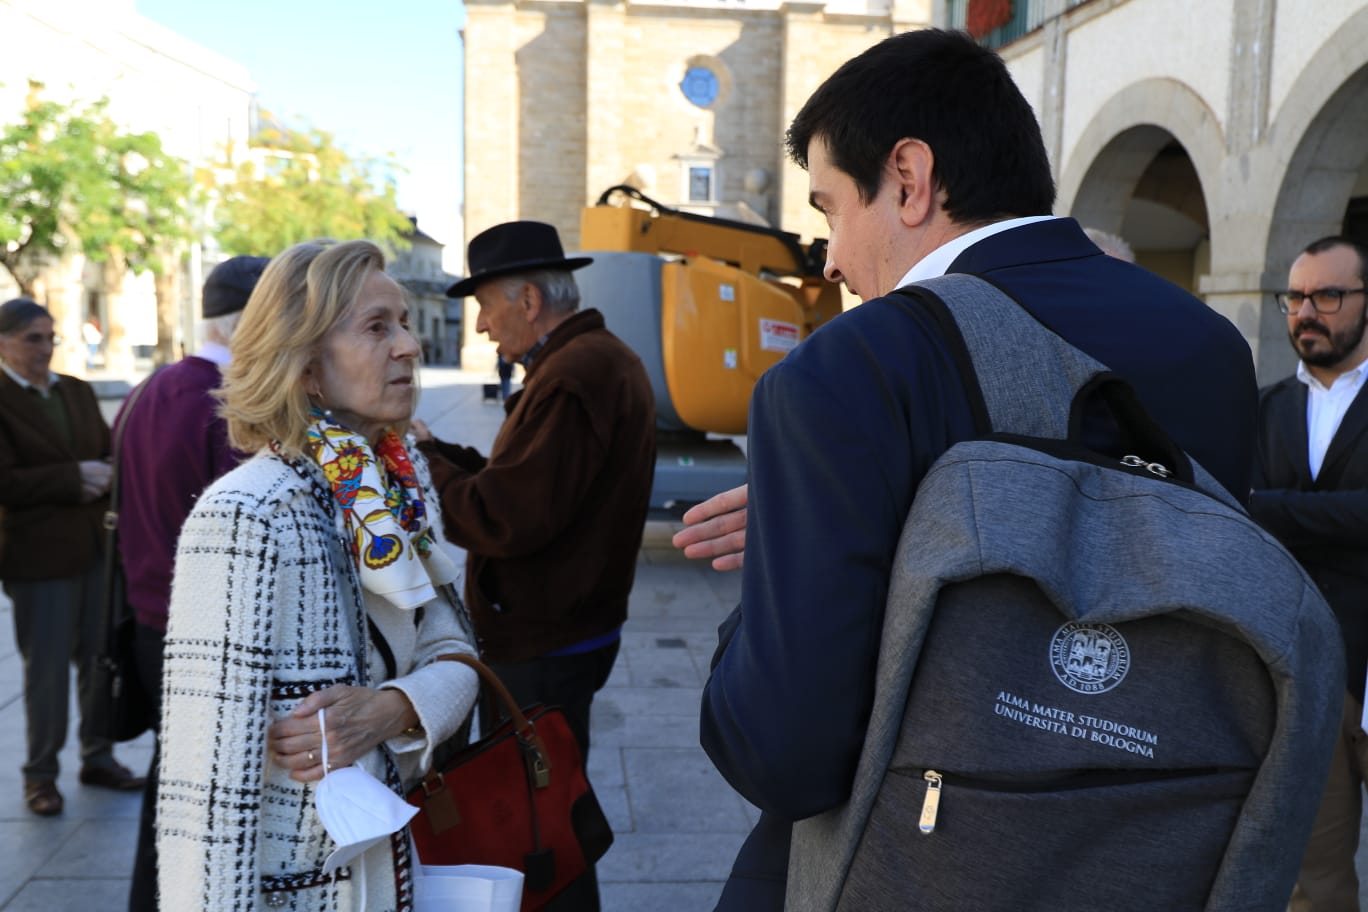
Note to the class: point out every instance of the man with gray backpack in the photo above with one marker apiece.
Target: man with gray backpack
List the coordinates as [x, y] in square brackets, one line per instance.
[1007, 639]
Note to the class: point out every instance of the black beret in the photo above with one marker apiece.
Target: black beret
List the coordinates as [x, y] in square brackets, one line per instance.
[230, 284]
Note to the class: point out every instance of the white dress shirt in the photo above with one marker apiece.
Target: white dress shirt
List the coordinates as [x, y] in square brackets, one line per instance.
[1325, 408]
[937, 261]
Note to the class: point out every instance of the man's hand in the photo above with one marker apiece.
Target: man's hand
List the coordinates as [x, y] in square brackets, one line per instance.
[716, 528]
[95, 478]
[419, 429]
[357, 719]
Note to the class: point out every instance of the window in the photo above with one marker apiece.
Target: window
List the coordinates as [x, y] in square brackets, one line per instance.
[700, 183]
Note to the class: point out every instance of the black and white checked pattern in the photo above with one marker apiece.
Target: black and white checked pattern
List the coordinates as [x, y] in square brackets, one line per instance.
[264, 611]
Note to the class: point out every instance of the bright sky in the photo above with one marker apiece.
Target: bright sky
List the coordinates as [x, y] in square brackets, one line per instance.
[381, 77]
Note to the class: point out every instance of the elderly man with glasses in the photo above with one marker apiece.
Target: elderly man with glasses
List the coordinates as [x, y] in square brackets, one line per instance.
[54, 478]
[1311, 491]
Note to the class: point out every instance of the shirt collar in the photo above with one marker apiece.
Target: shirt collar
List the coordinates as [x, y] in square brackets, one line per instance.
[937, 261]
[25, 384]
[1352, 377]
[215, 352]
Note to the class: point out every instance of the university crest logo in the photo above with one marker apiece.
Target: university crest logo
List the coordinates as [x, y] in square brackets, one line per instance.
[1089, 658]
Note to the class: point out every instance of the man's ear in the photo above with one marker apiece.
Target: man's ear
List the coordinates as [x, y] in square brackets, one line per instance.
[530, 300]
[912, 163]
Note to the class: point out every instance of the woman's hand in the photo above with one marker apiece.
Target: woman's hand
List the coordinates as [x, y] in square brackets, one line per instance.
[357, 719]
[716, 528]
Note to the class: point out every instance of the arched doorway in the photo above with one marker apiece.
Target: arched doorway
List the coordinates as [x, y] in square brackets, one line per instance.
[1143, 186]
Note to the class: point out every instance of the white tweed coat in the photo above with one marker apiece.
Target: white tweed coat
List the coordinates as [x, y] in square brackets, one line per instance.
[265, 610]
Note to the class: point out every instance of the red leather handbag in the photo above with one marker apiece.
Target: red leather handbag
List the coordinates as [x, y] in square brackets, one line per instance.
[517, 798]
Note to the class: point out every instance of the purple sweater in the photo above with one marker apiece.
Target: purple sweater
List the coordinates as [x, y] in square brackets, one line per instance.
[174, 445]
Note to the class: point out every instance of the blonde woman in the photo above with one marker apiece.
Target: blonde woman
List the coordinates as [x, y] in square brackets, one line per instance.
[307, 579]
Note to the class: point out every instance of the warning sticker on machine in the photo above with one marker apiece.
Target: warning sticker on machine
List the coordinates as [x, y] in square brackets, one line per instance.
[778, 336]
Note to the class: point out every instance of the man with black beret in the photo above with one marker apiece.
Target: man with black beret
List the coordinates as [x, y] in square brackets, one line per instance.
[552, 519]
[174, 444]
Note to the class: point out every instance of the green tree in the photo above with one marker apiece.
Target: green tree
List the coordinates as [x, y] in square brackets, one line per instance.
[72, 180]
[297, 186]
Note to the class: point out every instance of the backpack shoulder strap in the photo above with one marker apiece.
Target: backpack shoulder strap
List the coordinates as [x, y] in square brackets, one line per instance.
[1020, 376]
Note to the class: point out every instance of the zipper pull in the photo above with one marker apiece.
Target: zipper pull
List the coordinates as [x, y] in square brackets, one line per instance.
[931, 807]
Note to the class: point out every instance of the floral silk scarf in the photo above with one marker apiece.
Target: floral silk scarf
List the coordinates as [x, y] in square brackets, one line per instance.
[383, 513]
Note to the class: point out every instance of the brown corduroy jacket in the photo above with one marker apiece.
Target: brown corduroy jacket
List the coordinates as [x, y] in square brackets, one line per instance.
[552, 520]
[48, 533]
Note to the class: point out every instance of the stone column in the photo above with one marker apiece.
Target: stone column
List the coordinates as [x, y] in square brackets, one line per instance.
[605, 102]
[491, 138]
[806, 63]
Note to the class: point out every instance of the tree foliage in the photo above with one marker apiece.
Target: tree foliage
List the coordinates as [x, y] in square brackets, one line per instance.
[297, 186]
[72, 180]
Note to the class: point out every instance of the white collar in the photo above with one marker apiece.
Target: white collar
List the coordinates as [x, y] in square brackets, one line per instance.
[1353, 377]
[215, 352]
[52, 379]
[937, 261]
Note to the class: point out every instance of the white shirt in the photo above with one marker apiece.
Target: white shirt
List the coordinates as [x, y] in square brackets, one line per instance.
[24, 384]
[937, 261]
[1325, 408]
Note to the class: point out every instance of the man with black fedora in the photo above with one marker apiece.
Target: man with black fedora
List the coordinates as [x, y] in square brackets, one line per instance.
[173, 445]
[552, 519]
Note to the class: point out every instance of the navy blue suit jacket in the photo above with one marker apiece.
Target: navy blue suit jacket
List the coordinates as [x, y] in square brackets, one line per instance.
[841, 433]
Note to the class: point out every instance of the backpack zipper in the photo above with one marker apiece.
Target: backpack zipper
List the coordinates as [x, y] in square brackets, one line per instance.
[931, 806]
[935, 780]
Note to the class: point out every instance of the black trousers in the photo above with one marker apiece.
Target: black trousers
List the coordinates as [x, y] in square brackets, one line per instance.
[142, 895]
[569, 682]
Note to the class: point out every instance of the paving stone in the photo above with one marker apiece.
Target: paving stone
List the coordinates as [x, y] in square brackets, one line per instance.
[669, 858]
[28, 843]
[659, 897]
[679, 791]
[70, 895]
[679, 731]
[98, 848]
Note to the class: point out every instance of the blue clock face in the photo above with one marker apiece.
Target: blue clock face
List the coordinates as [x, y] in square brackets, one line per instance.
[699, 86]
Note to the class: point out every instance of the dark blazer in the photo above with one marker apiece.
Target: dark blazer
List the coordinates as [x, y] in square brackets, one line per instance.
[1324, 523]
[48, 532]
[841, 433]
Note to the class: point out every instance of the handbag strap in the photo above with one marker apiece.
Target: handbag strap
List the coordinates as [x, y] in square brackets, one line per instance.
[114, 607]
[526, 730]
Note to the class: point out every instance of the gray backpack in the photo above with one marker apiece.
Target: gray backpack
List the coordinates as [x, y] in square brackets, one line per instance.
[1100, 684]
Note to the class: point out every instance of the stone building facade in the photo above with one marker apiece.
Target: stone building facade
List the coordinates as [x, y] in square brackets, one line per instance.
[1218, 138]
[687, 100]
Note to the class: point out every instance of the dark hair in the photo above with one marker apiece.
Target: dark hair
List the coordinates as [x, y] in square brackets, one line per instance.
[941, 88]
[16, 313]
[1339, 240]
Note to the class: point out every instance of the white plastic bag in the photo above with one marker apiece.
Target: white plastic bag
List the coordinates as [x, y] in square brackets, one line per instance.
[466, 888]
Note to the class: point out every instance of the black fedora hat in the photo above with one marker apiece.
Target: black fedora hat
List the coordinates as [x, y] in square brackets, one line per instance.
[513, 247]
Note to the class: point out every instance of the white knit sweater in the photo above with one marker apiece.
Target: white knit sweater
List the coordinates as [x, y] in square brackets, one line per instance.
[264, 611]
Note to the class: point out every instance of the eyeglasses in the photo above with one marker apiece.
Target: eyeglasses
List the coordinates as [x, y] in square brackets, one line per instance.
[1324, 300]
[36, 339]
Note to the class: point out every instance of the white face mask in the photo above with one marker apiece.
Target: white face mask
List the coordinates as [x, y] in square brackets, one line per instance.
[357, 809]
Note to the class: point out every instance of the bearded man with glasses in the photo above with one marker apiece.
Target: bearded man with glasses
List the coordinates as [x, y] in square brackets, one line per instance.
[1311, 491]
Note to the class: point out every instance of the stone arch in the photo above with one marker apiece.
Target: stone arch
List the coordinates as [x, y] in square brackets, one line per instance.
[1142, 169]
[1123, 138]
[1321, 133]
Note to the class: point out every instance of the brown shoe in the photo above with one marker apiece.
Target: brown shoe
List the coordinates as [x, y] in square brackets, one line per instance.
[42, 797]
[116, 777]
